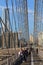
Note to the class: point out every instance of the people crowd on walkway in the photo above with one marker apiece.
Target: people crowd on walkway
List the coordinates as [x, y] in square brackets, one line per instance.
[22, 56]
[23, 53]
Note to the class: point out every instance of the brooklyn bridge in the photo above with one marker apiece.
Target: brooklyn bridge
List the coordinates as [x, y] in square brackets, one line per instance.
[18, 45]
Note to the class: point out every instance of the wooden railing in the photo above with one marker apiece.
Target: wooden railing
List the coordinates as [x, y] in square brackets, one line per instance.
[8, 60]
[8, 56]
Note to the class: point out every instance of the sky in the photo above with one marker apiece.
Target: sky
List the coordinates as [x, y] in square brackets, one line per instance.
[31, 16]
[30, 13]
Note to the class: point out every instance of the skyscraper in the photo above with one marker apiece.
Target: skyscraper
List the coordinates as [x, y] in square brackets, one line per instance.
[38, 18]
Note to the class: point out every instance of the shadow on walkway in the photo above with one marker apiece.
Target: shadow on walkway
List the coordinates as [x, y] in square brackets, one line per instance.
[37, 60]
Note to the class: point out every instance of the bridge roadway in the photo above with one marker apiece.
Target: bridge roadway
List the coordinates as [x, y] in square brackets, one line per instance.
[34, 59]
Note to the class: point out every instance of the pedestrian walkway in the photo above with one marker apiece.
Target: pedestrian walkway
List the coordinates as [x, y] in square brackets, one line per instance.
[32, 59]
[36, 59]
[28, 62]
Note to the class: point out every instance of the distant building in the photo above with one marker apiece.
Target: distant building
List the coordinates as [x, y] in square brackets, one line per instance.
[0, 40]
[31, 38]
[0, 31]
[40, 38]
[0, 28]
[9, 40]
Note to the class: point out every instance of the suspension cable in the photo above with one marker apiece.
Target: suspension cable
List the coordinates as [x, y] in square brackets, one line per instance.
[12, 1]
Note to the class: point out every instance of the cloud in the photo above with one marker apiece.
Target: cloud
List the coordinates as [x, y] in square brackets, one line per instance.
[30, 11]
[0, 7]
[18, 10]
[4, 7]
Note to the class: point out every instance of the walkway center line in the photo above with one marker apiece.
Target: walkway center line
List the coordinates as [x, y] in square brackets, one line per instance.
[32, 63]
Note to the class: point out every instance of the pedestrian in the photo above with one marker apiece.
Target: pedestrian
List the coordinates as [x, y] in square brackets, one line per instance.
[37, 50]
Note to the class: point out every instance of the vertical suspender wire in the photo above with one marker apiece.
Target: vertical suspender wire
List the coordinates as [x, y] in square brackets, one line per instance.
[8, 16]
[12, 1]
[17, 12]
[9, 26]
